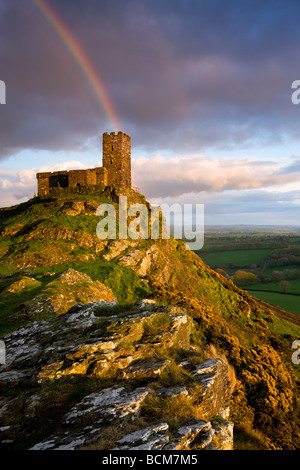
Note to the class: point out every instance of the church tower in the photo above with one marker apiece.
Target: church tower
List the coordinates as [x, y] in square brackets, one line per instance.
[117, 158]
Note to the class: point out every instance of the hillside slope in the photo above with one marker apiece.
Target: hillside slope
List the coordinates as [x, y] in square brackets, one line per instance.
[52, 260]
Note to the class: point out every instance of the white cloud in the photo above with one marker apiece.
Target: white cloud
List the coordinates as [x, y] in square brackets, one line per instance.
[162, 177]
[17, 188]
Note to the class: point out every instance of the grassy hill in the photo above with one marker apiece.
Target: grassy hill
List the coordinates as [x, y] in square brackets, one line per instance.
[45, 238]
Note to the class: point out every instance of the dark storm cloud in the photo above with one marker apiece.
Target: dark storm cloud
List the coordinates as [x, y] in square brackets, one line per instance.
[45, 102]
[183, 75]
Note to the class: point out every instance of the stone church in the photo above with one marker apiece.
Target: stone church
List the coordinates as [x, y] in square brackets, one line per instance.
[116, 169]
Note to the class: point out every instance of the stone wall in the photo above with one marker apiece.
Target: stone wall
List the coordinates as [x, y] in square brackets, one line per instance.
[43, 183]
[70, 179]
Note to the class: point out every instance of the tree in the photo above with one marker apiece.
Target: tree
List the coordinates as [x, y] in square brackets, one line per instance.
[284, 285]
[243, 278]
[277, 276]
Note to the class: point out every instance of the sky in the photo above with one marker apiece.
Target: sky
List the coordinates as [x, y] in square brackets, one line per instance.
[203, 87]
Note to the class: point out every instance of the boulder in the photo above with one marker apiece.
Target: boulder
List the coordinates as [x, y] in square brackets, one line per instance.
[68, 289]
[199, 434]
[223, 437]
[150, 438]
[98, 408]
[145, 370]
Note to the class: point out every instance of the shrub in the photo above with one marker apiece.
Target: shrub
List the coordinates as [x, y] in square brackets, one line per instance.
[244, 278]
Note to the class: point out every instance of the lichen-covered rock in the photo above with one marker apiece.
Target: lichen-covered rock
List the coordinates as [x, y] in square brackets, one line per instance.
[100, 341]
[194, 435]
[104, 406]
[144, 304]
[145, 370]
[69, 288]
[148, 261]
[132, 258]
[223, 436]
[213, 376]
[151, 438]
[145, 262]
[98, 408]
[117, 247]
[70, 276]
[21, 284]
[68, 441]
[73, 208]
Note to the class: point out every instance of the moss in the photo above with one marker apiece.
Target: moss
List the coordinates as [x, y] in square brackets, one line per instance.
[119, 309]
[155, 325]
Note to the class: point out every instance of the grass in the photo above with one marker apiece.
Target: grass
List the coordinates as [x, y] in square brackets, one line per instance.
[284, 328]
[176, 411]
[10, 306]
[275, 286]
[124, 283]
[119, 309]
[249, 439]
[285, 301]
[156, 324]
[290, 267]
[87, 223]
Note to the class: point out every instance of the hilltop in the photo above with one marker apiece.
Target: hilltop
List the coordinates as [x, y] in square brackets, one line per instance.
[53, 266]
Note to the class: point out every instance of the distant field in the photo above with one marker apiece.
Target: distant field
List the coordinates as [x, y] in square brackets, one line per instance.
[244, 250]
[287, 302]
[294, 286]
[281, 268]
[239, 257]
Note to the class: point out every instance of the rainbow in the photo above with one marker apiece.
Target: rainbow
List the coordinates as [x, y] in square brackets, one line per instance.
[82, 60]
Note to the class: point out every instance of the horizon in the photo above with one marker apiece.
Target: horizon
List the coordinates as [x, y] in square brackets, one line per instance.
[204, 89]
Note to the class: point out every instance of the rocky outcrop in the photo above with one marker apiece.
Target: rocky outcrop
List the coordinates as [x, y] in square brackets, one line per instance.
[145, 262]
[69, 288]
[117, 247]
[72, 208]
[154, 437]
[118, 365]
[53, 365]
[20, 285]
[216, 390]
[100, 409]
